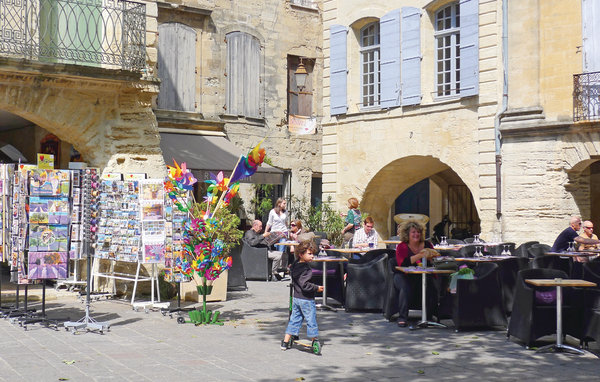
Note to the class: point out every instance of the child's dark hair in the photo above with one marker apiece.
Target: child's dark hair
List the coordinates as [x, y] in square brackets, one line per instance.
[305, 246]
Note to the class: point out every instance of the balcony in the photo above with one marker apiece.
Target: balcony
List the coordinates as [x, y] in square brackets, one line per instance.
[101, 33]
[586, 97]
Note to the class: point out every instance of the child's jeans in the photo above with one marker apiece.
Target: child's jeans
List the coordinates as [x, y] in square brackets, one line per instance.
[303, 309]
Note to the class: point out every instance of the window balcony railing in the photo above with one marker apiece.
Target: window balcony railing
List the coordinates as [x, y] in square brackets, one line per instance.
[102, 33]
[586, 97]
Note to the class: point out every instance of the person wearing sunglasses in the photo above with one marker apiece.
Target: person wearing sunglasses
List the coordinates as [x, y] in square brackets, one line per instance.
[588, 233]
[571, 234]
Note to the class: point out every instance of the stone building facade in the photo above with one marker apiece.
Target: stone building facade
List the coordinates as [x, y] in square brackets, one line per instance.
[113, 114]
[512, 141]
[245, 54]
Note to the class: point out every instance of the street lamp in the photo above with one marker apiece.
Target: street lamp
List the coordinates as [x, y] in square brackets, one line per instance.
[301, 75]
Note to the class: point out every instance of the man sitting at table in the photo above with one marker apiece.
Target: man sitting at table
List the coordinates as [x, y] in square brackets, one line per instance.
[588, 233]
[569, 235]
[255, 238]
[367, 236]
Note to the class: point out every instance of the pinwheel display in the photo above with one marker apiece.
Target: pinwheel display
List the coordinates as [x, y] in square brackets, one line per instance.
[203, 252]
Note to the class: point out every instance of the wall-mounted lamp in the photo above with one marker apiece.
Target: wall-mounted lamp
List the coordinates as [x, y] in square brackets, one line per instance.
[301, 75]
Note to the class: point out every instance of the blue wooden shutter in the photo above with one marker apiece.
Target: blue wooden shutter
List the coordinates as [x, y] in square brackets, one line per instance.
[338, 70]
[389, 45]
[411, 56]
[469, 47]
[590, 14]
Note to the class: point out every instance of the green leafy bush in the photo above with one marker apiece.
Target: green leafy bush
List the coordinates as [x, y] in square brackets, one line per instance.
[322, 218]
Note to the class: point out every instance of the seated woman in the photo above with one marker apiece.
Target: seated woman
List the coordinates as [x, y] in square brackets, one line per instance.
[295, 231]
[412, 250]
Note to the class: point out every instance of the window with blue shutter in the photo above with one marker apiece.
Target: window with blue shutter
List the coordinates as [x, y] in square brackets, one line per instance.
[389, 34]
[411, 56]
[469, 47]
[338, 70]
[447, 50]
[590, 14]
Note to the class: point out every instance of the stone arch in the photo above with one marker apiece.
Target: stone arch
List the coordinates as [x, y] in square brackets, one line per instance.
[110, 122]
[395, 177]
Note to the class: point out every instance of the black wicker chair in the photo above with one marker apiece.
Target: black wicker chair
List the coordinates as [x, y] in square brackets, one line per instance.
[366, 281]
[390, 306]
[392, 246]
[478, 302]
[552, 262]
[236, 279]
[497, 250]
[532, 319]
[521, 250]
[591, 272]
[454, 241]
[256, 263]
[536, 250]
[470, 249]
[509, 269]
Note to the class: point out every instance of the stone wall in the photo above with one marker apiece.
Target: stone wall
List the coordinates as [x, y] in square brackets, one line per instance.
[376, 155]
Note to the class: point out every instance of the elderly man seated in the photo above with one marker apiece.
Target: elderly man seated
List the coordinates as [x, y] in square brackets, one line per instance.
[255, 238]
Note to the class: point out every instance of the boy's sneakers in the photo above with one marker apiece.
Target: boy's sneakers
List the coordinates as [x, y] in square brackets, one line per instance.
[286, 345]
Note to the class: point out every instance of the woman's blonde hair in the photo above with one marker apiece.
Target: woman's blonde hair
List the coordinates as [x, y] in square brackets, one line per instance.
[353, 202]
[405, 228]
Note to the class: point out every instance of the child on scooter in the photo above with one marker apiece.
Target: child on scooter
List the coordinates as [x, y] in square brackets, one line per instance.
[303, 305]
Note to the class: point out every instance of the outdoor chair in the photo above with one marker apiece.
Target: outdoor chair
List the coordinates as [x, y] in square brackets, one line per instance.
[335, 279]
[496, 250]
[235, 277]
[365, 281]
[536, 250]
[322, 235]
[478, 302]
[521, 250]
[470, 249]
[454, 241]
[509, 269]
[390, 306]
[591, 272]
[392, 246]
[534, 313]
[552, 262]
[255, 261]
[591, 315]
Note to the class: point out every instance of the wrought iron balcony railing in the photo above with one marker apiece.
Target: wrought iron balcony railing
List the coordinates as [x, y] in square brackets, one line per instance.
[103, 33]
[586, 97]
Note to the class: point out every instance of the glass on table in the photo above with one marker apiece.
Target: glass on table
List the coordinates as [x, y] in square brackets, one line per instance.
[443, 242]
[476, 239]
[571, 247]
[505, 251]
[478, 252]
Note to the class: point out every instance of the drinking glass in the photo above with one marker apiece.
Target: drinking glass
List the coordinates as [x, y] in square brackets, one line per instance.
[505, 251]
[571, 247]
[476, 239]
[443, 242]
[478, 252]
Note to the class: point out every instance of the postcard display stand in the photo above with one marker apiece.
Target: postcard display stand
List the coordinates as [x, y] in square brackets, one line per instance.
[131, 228]
[45, 253]
[87, 228]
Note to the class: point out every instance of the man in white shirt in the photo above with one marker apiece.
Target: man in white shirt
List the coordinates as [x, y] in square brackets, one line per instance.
[366, 237]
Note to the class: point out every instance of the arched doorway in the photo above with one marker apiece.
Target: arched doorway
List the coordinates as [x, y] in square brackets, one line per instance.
[449, 193]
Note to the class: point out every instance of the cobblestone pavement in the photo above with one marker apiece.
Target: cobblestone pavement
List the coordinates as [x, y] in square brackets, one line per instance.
[357, 347]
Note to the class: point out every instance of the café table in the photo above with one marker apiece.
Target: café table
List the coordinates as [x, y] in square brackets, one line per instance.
[571, 254]
[482, 259]
[424, 271]
[559, 284]
[351, 251]
[325, 260]
[391, 241]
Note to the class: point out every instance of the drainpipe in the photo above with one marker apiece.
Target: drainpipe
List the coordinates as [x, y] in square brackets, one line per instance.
[497, 135]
